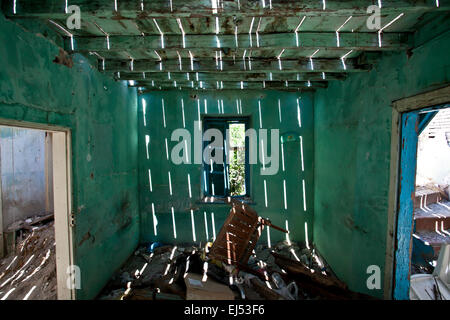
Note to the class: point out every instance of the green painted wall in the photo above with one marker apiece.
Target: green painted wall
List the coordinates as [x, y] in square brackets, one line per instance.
[102, 115]
[159, 165]
[352, 155]
[346, 140]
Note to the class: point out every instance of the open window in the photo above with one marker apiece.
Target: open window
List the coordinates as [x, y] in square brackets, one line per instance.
[226, 174]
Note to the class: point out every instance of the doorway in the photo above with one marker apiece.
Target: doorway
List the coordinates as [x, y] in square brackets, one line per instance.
[35, 214]
[411, 117]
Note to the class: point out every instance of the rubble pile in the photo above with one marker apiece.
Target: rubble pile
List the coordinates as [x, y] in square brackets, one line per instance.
[29, 273]
[287, 271]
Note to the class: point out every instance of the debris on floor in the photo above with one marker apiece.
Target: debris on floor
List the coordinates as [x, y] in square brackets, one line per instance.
[28, 224]
[434, 286]
[29, 272]
[233, 267]
[197, 289]
[287, 271]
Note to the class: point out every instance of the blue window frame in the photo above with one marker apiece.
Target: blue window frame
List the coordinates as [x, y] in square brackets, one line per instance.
[217, 176]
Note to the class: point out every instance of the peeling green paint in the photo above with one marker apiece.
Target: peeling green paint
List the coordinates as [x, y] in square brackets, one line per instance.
[102, 116]
[160, 166]
[345, 129]
[352, 156]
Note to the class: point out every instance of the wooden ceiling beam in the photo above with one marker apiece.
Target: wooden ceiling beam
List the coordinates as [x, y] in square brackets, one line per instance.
[143, 90]
[229, 68]
[218, 76]
[314, 40]
[132, 9]
[232, 84]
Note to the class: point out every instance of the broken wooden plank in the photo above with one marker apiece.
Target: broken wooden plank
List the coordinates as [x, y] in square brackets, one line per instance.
[298, 268]
[264, 290]
[325, 287]
[41, 219]
[23, 224]
[268, 223]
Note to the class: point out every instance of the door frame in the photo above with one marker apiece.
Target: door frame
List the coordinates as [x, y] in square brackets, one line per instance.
[396, 281]
[62, 198]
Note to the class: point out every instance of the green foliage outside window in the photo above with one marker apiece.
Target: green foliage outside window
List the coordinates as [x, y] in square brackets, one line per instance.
[237, 161]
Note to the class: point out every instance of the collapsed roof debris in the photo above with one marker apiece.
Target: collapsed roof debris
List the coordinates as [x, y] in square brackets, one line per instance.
[272, 274]
[289, 271]
[29, 273]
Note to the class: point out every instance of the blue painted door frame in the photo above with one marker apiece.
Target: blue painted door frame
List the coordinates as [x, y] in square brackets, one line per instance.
[412, 124]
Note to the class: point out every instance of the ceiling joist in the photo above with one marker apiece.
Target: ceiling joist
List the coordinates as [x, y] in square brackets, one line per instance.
[217, 76]
[133, 9]
[231, 85]
[314, 40]
[236, 67]
[240, 44]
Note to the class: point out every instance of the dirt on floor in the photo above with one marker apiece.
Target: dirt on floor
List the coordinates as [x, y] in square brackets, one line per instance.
[30, 272]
